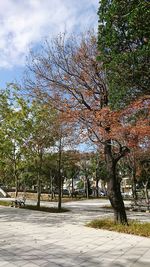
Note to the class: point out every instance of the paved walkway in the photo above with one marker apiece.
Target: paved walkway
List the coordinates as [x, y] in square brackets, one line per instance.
[31, 239]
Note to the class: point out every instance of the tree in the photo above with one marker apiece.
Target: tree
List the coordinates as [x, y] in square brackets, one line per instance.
[66, 138]
[123, 41]
[42, 136]
[99, 167]
[70, 163]
[67, 73]
[13, 128]
[143, 171]
[129, 166]
[50, 171]
[137, 138]
[86, 170]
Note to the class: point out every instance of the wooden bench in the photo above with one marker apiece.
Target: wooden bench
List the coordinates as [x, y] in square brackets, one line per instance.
[140, 205]
[18, 203]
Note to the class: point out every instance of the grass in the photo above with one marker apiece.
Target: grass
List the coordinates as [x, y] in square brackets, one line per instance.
[5, 203]
[110, 207]
[46, 209]
[31, 207]
[134, 227]
[66, 199]
[69, 199]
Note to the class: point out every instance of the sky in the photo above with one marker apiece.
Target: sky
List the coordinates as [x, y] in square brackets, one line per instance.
[25, 24]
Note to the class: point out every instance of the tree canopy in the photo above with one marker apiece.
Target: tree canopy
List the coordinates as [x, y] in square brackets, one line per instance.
[124, 48]
[67, 73]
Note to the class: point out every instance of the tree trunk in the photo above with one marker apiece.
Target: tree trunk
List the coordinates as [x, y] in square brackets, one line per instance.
[113, 187]
[59, 192]
[60, 174]
[87, 187]
[97, 188]
[134, 192]
[72, 187]
[39, 178]
[16, 180]
[16, 187]
[116, 200]
[133, 171]
[38, 191]
[15, 171]
[146, 191]
[51, 186]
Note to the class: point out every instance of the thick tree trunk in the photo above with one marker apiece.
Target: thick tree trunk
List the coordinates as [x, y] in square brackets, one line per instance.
[116, 200]
[113, 187]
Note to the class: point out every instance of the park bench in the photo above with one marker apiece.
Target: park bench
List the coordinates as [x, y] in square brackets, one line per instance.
[18, 203]
[140, 205]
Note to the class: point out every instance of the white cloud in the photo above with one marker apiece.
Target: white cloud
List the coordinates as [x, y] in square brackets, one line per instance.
[24, 23]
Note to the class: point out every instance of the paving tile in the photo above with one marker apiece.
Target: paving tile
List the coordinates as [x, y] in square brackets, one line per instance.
[35, 239]
[3, 263]
[20, 263]
[141, 264]
[30, 264]
[40, 262]
[9, 264]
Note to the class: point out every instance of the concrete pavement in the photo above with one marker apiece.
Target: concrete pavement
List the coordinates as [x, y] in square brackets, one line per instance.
[32, 239]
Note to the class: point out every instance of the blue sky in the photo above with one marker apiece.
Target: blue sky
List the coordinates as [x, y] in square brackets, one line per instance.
[24, 24]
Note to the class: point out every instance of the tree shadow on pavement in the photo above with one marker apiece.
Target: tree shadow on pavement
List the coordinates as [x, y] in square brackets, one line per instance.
[42, 218]
[56, 255]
